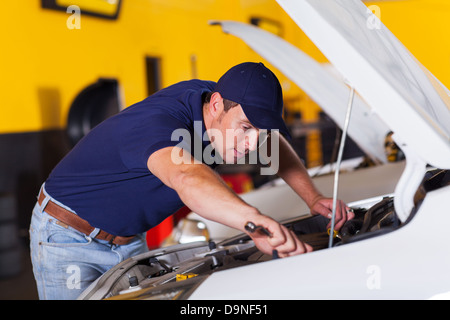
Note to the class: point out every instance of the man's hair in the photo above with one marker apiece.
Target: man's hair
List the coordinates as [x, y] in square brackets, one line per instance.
[227, 104]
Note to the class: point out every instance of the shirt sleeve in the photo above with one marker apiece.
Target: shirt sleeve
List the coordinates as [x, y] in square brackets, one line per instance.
[150, 134]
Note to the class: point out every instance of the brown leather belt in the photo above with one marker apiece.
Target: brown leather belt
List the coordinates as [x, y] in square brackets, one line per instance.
[71, 219]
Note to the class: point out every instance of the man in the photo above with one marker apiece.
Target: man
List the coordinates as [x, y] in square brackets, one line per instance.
[126, 176]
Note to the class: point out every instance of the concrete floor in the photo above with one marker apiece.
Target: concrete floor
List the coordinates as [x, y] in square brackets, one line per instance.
[21, 286]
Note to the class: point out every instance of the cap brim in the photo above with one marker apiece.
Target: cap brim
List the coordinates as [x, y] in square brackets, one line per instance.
[263, 119]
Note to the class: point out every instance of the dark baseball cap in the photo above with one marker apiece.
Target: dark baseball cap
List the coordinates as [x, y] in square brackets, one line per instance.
[259, 93]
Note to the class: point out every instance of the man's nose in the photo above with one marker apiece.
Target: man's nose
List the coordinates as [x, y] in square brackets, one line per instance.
[251, 140]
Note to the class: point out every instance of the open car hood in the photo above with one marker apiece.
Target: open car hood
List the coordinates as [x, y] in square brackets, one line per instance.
[392, 83]
[320, 83]
[404, 94]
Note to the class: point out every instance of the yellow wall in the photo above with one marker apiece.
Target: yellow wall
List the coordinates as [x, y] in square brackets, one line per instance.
[423, 26]
[44, 64]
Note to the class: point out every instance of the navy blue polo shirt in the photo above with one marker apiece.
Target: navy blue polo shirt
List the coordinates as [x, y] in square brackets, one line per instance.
[105, 178]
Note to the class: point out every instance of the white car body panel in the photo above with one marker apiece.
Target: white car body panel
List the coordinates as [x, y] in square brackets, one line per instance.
[410, 263]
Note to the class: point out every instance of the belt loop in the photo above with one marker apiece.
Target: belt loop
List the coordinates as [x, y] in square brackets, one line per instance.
[94, 233]
[111, 241]
[46, 198]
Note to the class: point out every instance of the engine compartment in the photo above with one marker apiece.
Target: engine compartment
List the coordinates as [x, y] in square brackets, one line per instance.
[175, 271]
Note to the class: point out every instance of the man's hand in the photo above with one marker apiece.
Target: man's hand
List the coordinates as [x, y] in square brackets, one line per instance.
[284, 241]
[292, 170]
[324, 207]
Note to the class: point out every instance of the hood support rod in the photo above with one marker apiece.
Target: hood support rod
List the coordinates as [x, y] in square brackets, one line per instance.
[338, 162]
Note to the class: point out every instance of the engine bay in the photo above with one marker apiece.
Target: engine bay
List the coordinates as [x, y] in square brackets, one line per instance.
[174, 272]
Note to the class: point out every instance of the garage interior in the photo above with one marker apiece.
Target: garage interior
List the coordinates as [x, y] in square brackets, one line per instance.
[87, 66]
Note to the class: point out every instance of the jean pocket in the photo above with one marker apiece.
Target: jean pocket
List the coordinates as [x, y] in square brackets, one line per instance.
[59, 236]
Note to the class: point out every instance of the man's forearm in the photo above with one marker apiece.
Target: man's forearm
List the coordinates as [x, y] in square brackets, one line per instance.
[201, 189]
[292, 170]
[204, 192]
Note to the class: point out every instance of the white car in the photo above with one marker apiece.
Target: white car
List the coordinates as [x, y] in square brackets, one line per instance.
[397, 247]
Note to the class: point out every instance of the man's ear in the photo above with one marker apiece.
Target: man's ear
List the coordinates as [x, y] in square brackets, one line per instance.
[215, 107]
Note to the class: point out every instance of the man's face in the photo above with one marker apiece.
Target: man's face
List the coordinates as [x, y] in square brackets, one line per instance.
[232, 134]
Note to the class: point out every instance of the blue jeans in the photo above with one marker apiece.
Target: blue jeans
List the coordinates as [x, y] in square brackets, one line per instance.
[66, 261]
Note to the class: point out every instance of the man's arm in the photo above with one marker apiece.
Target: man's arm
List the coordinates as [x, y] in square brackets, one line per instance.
[204, 192]
[292, 170]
